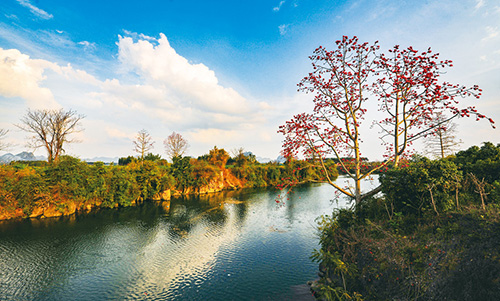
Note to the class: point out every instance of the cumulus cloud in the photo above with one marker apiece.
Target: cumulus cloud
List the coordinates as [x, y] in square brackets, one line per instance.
[21, 76]
[187, 84]
[35, 10]
[160, 91]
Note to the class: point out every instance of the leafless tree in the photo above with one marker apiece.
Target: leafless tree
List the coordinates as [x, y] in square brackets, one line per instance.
[444, 141]
[143, 143]
[51, 130]
[175, 145]
[3, 145]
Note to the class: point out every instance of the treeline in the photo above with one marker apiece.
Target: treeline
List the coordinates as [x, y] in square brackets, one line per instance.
[434, 234]
[31, 189]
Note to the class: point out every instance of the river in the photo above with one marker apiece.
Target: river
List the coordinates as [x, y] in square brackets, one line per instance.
[240, 245]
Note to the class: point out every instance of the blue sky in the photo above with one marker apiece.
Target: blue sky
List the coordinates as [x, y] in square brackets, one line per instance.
[219, 72]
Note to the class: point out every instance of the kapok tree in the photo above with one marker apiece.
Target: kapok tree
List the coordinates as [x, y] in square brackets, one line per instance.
[406, 86]
[340, 82]
[411, 97]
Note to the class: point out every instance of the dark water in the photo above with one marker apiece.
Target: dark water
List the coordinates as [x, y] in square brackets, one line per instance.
[228, 246]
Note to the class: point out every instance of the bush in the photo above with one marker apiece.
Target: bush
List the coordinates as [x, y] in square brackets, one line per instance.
[422, 186]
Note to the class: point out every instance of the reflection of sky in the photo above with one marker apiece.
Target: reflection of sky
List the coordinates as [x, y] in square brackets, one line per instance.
[173, 263]
[206, 244]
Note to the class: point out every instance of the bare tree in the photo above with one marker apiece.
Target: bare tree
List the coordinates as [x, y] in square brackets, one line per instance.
[51, 130]
[143, 143]
[175, 145]
[443, 141]
[3, 145]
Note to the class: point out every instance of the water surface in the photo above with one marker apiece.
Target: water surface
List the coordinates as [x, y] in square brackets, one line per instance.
[227, 246]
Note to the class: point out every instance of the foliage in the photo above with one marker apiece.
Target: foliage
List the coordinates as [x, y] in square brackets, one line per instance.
[412, 189]
[339, 82]
[431, 236]
[217, 157]
[406, 84]
[454, 256]
[182, 172]
[484, 162]
[203, 172]
[411, 96]
[152, 157]
[126, 160]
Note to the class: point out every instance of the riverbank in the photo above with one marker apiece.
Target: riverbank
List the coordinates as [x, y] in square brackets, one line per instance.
[232, 245]
[41, 190]
[454, 256]
[434, 234]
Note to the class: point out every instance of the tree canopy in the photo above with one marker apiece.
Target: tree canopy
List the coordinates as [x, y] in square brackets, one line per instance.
[405, 84]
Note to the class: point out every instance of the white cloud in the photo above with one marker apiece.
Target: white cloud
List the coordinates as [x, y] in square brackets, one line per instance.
[479, 4]
[116, 133]
[492, 32]
[283, 28]
[187, 84]
[12, 17]
[21, 76]
[87, 45]
[211, 135]
[167, 93]
[35, 10]
[277, 8]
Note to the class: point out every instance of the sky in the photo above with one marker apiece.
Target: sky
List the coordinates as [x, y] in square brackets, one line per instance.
[220, 73]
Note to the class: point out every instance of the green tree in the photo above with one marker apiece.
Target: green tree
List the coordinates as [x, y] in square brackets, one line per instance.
[422, 186]
[182, 171]
[218, 157]
[126, 160]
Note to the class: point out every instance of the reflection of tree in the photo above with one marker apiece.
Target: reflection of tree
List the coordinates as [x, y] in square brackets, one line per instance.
[241, 212]
[180, 221]
[216, 217]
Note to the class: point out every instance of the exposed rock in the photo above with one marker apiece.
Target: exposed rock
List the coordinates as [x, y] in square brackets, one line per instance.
[51, 211]
[37, 211]
[71, 209]
[166, 206]
[162, 196]
[8, 214]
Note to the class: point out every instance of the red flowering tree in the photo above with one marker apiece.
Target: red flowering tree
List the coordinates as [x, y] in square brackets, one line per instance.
[406, 84]
[412, 97]
[340, 82]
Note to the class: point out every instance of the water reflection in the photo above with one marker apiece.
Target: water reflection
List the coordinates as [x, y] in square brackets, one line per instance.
[232, 245]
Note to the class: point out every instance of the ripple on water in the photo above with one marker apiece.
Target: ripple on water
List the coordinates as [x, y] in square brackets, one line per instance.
[249, 248]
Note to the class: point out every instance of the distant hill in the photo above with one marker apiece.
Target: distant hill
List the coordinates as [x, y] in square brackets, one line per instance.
[102, 159]
[24, 156]
[281, 159]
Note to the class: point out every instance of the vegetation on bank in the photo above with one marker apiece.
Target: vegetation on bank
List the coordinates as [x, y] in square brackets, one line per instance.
[32, 189]
[434, 234]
